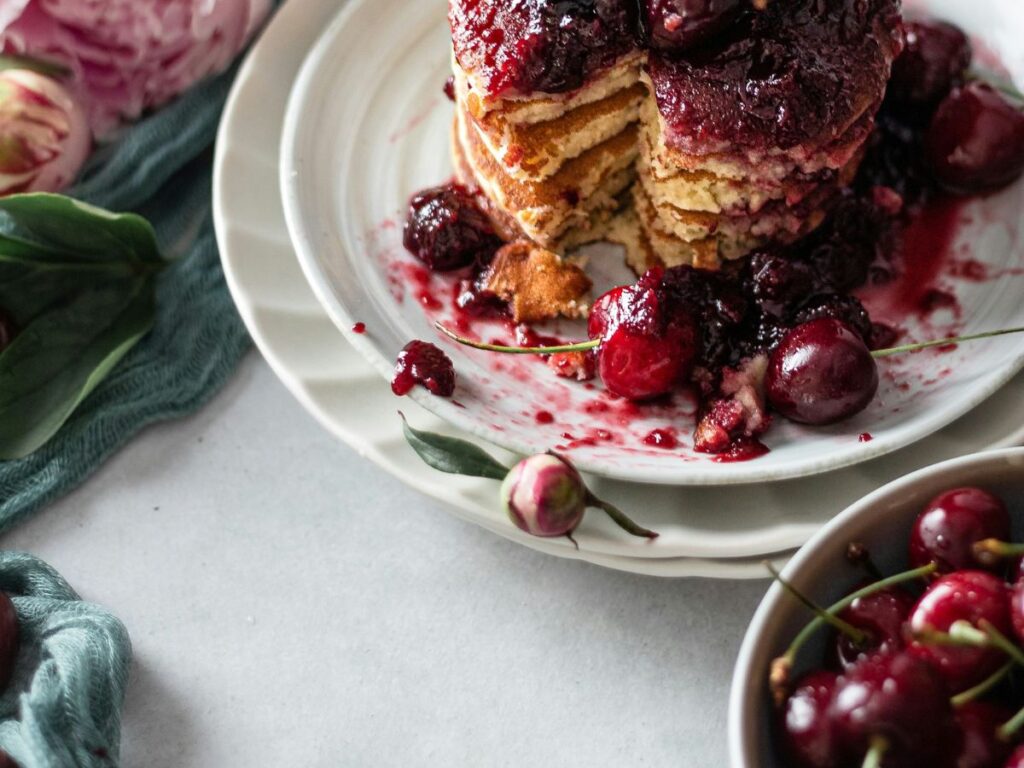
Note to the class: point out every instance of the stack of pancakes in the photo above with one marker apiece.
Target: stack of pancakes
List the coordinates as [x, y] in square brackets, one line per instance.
[552, 168]
[683, 161]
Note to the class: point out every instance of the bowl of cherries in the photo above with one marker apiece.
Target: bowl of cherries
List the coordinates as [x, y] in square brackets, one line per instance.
[895, 637]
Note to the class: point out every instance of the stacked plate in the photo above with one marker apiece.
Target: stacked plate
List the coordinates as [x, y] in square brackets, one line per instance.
[307, 211]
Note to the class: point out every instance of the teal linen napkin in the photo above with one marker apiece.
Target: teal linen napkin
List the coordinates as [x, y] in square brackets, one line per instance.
[160, 168]
[63, 707]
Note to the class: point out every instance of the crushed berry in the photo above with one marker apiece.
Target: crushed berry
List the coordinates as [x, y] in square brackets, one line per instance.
[552, 46]
[842, 307]
[447, 230]
[422, 363]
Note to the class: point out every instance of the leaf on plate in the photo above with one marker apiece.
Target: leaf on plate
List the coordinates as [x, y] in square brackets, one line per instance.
[451, 455]
[63, 354]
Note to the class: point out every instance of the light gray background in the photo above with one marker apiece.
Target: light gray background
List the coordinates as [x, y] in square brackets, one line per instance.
[292, 605]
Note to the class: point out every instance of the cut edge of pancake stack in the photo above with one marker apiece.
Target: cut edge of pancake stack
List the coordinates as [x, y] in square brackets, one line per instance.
[552, 169]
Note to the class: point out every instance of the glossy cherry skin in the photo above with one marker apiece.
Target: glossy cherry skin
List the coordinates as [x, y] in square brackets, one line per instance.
[674, 26]
[901, 698]
[935, 59]
[8, 330]
[961, 596]
[975, 142]
[808, 732]
[8, 639]
[953, 522]
[1016, 759]
[882, 615]
[641, 367]
[980, 746]
[1017, 608]
[821, 373]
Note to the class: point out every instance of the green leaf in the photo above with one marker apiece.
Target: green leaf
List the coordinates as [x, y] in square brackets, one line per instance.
[58, 229]
[456, 457]
[62, 356]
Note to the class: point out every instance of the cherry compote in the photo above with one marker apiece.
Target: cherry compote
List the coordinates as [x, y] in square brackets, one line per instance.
[948, 528]
[447, 230]
[552, 46]
[975, 142]
[422, 363]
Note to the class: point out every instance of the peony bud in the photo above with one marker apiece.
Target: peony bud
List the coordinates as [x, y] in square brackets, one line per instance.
[545, 496]
[44, 135]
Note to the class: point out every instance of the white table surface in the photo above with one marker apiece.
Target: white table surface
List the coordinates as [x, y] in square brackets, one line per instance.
[291, 604]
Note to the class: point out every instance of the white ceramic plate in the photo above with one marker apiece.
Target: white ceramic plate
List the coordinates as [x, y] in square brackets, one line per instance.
[367, 127]
[722, 533]
[882, 521]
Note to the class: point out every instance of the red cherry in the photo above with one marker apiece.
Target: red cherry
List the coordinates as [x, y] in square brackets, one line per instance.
[961, 596]
[8, 639]
[1016, 760]
[900, 698]
[676, 25]
[980, 745]
[641, 367]
[882, 616]
[821, 373]
[808, 732]
[952, 523]
[976, 140]
[1017, 608]
[935, 59]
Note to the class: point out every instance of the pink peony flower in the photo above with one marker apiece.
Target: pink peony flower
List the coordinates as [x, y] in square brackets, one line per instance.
[128, 56]
[44, 135]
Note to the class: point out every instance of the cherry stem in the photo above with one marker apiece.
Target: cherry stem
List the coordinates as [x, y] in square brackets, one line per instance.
[859, 637]
[1008, 729]
[983, 687]
[1001, 641]
[991, 551]
[580, 347]
[879, 746]
[780, 668]
[620, 518]
[999, 84]
[943, 342]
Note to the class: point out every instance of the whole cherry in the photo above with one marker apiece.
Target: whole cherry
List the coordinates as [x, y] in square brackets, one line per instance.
[897, 698]
[674, 26]
[881, 616]
[961, 596]
[808, 732]
[952, 523]
[447, 230]
[821, 373]
[980, 743]
[975, 142]
[935, 59]
[1016, 759]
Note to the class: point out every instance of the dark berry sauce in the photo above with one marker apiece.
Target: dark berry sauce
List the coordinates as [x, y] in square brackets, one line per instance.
[662, 438]
[551, 46]
[779, 78]
[742, 450]
[425, 364]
